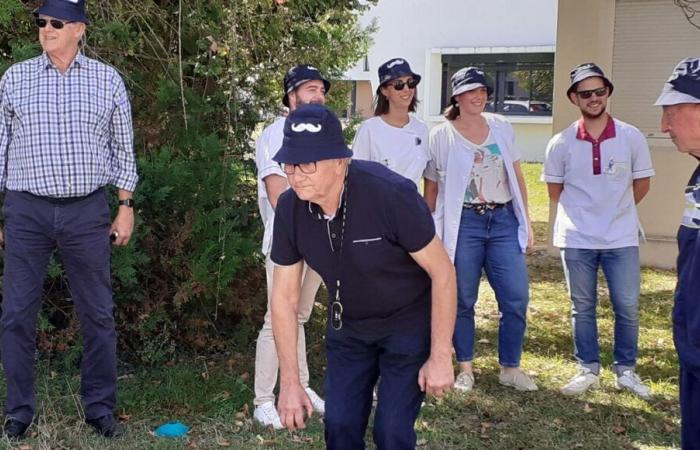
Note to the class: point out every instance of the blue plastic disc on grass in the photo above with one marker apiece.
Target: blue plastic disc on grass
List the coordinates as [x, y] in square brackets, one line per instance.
[172, 430]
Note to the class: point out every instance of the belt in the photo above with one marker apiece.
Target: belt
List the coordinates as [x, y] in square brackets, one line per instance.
[65, 200]
[481, 208]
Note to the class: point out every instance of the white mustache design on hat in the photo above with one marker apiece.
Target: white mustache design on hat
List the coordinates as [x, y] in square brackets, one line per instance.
[310, 127]
[395, 62]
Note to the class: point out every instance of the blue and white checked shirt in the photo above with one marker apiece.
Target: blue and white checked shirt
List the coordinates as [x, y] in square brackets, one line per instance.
[65, 135]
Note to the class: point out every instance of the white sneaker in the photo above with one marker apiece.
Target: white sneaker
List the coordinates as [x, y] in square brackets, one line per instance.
[316, 401]
[631, 382]
[266, 414]
[519, 380]
[581, 382]
[464, 382]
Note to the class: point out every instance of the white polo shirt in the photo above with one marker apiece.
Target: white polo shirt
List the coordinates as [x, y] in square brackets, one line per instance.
[403, 150]
[596, 209]
[267, 145]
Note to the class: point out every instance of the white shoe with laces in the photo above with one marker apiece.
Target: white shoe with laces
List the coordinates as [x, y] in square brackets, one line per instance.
[266, 414]
[316, 401]
[519, 380]
[630, 381]
[464, 382]
[581, 382]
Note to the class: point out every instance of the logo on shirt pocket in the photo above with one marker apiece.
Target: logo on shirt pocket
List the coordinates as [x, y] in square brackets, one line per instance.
[616, 170]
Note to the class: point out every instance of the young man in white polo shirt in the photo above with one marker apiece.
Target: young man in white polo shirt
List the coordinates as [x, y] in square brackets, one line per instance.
[597, 170]
[303, 84]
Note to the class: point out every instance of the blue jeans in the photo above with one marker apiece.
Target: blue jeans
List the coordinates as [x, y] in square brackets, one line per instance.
[621, 269]
[355, 361]
[490, 242]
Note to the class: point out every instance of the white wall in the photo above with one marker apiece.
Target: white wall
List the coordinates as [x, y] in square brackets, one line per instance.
[421, 30]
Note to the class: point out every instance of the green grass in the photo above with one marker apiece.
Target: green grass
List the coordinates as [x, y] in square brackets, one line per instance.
[214, 396]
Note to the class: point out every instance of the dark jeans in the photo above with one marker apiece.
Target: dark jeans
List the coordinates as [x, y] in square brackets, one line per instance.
[34, 227]
[689, 384]
[354, 364]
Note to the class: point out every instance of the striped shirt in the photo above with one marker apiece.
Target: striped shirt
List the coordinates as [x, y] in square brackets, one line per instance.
[65, 135]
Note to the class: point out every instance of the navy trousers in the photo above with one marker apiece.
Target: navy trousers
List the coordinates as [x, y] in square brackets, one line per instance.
[690, 409]
[354, 364]
[34, 227]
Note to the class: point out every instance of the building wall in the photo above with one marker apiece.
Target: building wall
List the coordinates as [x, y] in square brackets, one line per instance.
[595, 30]
[420, 30]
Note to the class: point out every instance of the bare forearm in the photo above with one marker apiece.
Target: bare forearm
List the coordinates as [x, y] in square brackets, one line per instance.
[285, 330]
[554, 190]
[444, 312]
[430, 191]
[641, 187]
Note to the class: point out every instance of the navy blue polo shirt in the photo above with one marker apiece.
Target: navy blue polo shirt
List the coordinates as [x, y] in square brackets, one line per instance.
[686, 308]
[381, 284]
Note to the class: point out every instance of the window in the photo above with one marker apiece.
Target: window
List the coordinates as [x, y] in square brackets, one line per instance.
[522, 82]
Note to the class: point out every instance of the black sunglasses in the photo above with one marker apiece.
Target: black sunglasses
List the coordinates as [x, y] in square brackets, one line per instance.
[399, 85]
[55, 23]
[600, 92]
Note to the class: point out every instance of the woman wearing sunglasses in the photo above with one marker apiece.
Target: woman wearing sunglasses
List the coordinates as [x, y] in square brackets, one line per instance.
[476, 188]
[394, 137]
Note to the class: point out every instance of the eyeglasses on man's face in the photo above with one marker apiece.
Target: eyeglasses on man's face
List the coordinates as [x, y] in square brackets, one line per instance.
[55, 23]
[599, 92]
[305, 168]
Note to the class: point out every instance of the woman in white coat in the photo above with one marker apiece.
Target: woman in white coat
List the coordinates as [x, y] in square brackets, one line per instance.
[394, 137]
[475, 185]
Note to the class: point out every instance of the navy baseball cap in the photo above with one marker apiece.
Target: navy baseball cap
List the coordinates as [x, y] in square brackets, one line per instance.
[587, 70]
[395, 68]
[684, 84]
[298, 75]
[468, 79]
[312, 133]
[69, 10]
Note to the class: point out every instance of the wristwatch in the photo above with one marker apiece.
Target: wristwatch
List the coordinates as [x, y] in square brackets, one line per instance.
[127, 202]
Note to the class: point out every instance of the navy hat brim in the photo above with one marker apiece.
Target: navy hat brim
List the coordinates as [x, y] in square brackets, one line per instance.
[56, 12]
[294, 155]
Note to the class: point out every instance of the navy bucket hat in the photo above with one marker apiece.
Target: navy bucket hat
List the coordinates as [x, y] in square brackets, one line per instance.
[298, 75]
[312, 133]
[684, 84]
[393, 69]
[587, 70]
[69, 10]
[468, 79]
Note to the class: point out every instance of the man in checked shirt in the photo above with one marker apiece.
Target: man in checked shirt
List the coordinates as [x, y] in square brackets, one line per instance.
[65, 133]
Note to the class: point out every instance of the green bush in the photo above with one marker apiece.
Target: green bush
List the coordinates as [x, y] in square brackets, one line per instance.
[202, 75]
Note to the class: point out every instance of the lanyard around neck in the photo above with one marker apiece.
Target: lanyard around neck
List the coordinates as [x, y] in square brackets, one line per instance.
[337, 306]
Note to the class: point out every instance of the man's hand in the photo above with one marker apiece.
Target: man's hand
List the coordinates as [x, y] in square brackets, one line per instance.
[2, 238]
[437, 377]
[123, 225]
[292, 404]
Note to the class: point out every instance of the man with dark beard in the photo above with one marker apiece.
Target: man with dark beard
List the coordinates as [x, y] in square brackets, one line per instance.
[597, 170]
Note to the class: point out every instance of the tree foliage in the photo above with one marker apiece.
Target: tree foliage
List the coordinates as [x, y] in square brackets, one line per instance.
[202, 76]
